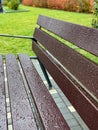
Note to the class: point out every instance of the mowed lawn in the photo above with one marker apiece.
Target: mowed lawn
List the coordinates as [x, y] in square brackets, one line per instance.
[23, 23]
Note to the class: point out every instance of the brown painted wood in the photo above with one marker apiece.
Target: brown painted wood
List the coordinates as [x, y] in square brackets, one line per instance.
[22, 115]
[84, 70]
[86, 108]
[3, 119]
[84, 37]
[49, 113]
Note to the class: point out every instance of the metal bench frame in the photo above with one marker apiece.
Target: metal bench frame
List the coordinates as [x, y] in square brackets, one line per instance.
[73, 72]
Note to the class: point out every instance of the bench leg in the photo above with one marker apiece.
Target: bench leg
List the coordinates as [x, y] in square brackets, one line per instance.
[45, 74]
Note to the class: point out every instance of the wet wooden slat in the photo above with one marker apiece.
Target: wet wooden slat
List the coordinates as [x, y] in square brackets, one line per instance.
[22, 116]
[49, 114]
[86, 108]
[84, 37]
[84, 70]
[3, 119]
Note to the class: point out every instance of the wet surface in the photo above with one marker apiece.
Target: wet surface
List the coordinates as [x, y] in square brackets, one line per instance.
[3, 120]
[22, 115]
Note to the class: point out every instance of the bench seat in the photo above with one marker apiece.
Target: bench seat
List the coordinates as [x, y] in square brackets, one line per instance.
[21, 113]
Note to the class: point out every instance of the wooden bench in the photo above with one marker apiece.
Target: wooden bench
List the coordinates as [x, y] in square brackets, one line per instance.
[75, 74]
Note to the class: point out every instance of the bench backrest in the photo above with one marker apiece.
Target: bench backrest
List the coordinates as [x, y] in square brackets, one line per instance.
[73, 72]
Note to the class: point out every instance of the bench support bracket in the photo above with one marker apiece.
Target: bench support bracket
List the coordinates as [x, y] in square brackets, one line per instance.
[45, 74]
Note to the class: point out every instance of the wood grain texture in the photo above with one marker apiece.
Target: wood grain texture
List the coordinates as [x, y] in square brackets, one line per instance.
[84, 37]
[79, 99]
[50, 115]
[83, 69]
[22, 115]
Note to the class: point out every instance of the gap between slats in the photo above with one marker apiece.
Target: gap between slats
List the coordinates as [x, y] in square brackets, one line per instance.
[40, 127]
[8, 107]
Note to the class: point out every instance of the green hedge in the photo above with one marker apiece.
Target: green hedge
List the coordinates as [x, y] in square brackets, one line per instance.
[95, 19]
[68, 5]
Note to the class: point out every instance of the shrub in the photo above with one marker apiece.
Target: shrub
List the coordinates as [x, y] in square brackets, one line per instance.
[59, 4]
[95, 19]
[78, 5]
[40, 3]
[56, 4]
[50, 3]
[20, 1]
[92, 5]
[13, 4]
[5, 2]
[27, 2]
[84, 6]
[71, 5]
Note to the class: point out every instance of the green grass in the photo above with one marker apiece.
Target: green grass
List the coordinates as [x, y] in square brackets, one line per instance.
[23, 23]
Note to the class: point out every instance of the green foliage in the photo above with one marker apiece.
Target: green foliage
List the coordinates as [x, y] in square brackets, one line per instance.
[95, 19]
[20, 1]
[13, 4]
[71, 5]
[40, 3]
[68, 5]
[5, 2]
[84, 6]
[78, 5]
